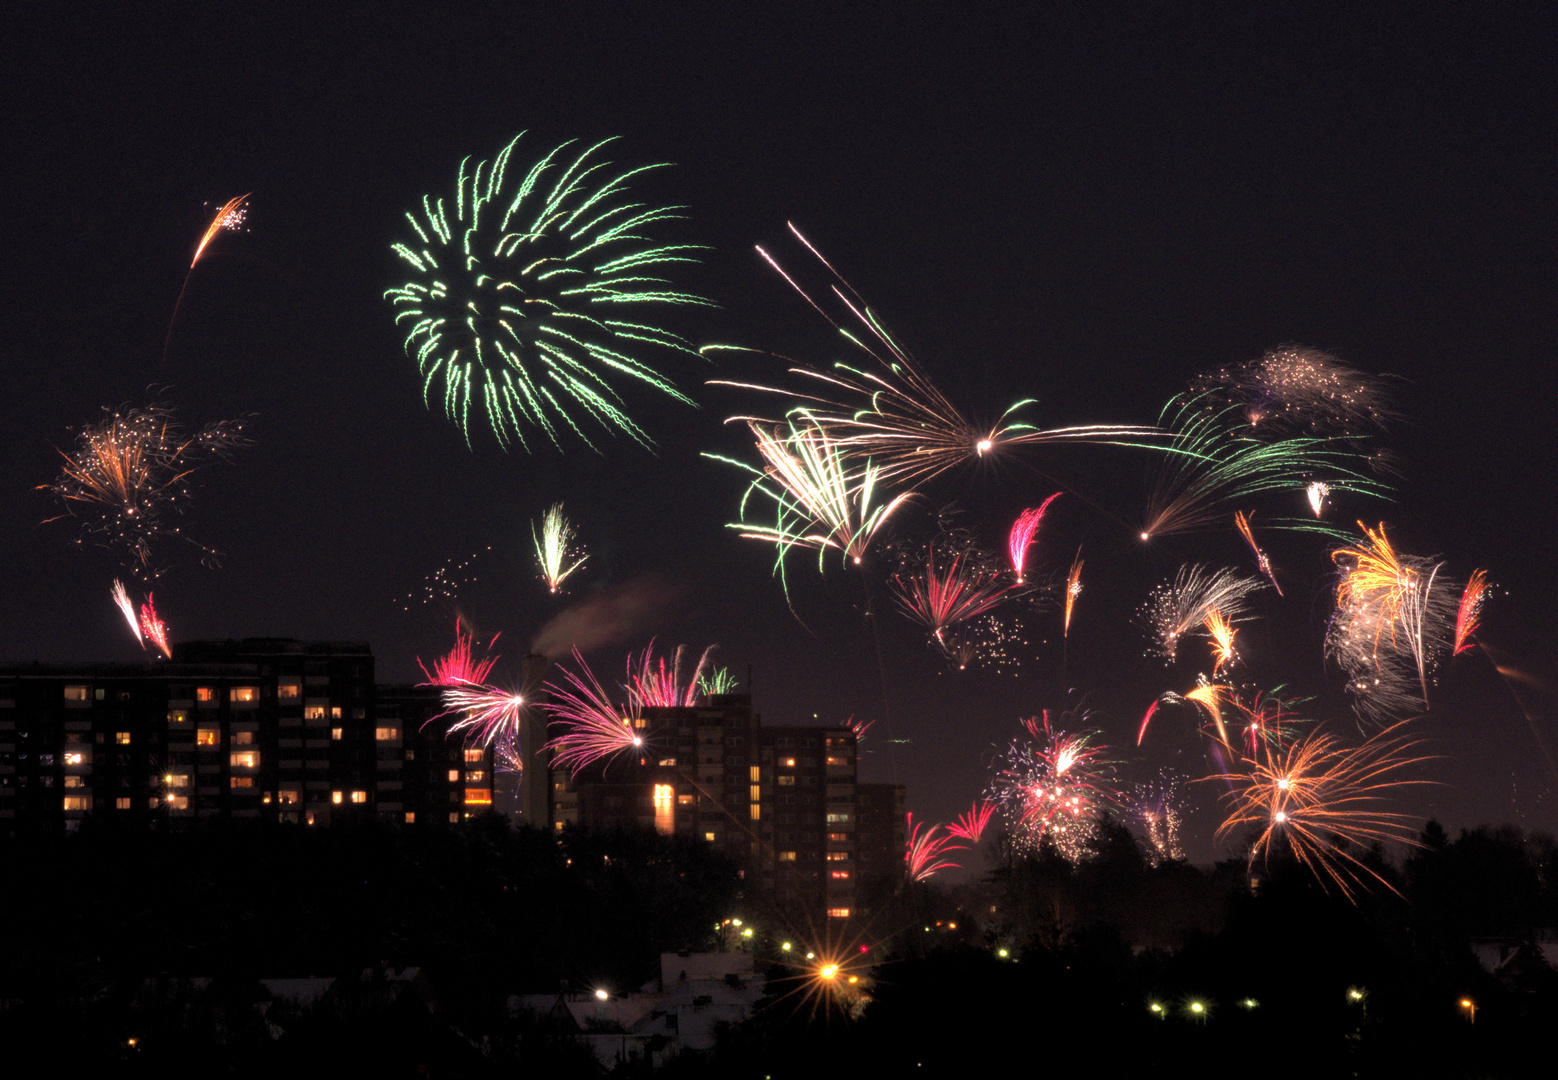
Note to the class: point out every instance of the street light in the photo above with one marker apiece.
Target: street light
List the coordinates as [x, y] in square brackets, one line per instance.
[1470, 1008]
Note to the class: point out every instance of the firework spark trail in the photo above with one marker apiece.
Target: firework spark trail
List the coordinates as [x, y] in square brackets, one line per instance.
[819, 500]
[130, 472]
[926, 849]
[1322, 799]
[971, 825]
[1392, 620]
[1175, 607]
[154, 629]
[1243, 525]
[487, 713]
[1468, 615]
[941, 597]
[1300, 389]
[443, 585]
[1073, 590]
[1209, 466]
[1158, 808]
[523, 300]
[893, 413]
[1054, 787]
[1317, 493]
[555, 546]
[126, 608]
[459, 666]
[652, 684]
[1221, 633]
[229, 218]
[1024, 529]
[593, 726]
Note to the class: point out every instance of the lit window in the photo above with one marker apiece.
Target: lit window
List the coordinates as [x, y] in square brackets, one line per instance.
[289, 797]
[788, 763]
[122, 738]
[665, 809]
[668, 762]
[266, 798]
[754, 793]
[757, 811]
[289, 690]
[73, 757]
[335, 797]
[206, 694]
[75, 781]
[711, 837]
[838, 913]
[475, 776]
[313, 712]
[245, 759]
[78, 802]
[177, 802]
[834, 759]
[838, 819]
[454, 776]
[686, 800]
[838, 856]
[243, 781]
[753, 773]
[787, 856]
[176, 780]
[335, 732]
[208, 736]
[837, 837]
[478, 797]
[247, 695]
[454, 816]
[839, 875]
[411, 817]
[474, 756]
[786, 781]
[335, 712]
[178, 716]
[78, 693]
[243, 738]
[359, 796]
[122, 803]
[386, 734]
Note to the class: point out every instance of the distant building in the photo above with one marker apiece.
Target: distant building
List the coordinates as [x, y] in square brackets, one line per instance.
[227, 729]
[882, 842]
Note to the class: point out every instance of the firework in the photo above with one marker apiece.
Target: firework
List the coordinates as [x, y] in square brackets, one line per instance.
[1054, 787]
[1243, 525]
[1157, 807]
[971, 826]
[1302, 390]
[554, 547]
[988, 641]
[1177, 606]
[229, 217]
[443, 586]
[459, 666]
[1073, 590]
[926, 849]
[1322, 800]
[486, 713]
[858, 728]
[1221, 633]
[505, 754]
[1317, 493]
[893, 414]
[652, 684]
[1023, 531]
[126, 608]
[522, 308]
[130, 473]
[820, 501]
[1392, 621]
[717, 680]
[153, 628]
[939, 597]
[1209, 466]
[592, 726]
[1468, 613]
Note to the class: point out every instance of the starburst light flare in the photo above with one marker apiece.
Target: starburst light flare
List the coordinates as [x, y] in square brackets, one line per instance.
[555, 547]
[531, 292]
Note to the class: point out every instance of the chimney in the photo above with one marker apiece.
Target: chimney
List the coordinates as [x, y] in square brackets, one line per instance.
[535, 785]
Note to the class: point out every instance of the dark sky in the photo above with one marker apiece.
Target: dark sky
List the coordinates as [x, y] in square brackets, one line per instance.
[1067, 207]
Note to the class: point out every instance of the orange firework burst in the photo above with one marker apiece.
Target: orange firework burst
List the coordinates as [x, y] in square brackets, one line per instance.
[1221, 633]
[1324, 800]
[1468, 617]
[1073, 590]
[1243, 524]
[230, 216]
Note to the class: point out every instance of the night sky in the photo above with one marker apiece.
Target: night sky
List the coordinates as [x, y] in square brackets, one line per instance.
[1083, 211]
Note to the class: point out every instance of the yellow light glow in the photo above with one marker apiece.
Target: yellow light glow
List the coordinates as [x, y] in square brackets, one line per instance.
[829, 971]
[785, 946]
[601, 995]
[1197, 1007]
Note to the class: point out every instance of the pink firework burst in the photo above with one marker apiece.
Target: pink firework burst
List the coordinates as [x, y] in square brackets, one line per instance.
[652, 683]
[591, 726]
[154, 629]
[971, 826]
[1024, 529]
[459, 666]
[926, 850]
[943, 596]
[1468, 617]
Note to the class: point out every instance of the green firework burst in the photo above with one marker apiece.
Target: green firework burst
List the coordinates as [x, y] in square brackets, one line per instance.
[523, 308]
